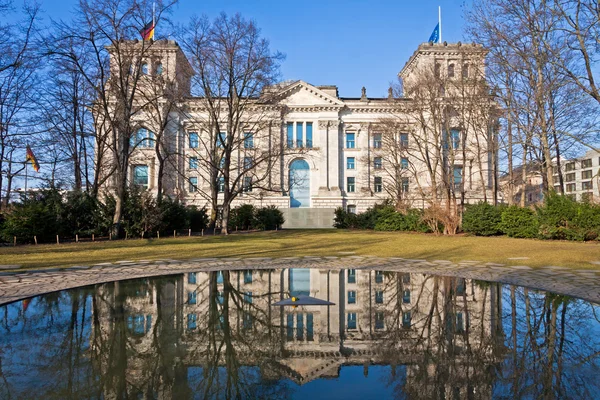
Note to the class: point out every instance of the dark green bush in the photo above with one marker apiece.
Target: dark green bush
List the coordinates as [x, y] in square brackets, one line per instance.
[198, 218]
[344, 220]
[38, 214]
[269, 218]
[482, 219]
[391, 220]
[242, 217]
[84, 215]
[173, 215]
[519, 222]
[561, 217]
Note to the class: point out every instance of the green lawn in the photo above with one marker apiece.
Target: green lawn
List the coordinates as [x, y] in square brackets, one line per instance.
[311, 243]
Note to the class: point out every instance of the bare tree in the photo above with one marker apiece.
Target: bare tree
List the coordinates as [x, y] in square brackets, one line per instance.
[238, 144]
[99, 44]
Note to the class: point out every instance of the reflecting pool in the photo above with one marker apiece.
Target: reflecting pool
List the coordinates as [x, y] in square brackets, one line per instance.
[218, 335]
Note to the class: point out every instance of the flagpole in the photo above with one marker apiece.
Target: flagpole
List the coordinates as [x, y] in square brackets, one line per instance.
[440, 21]
[26, 169]
[153, 18]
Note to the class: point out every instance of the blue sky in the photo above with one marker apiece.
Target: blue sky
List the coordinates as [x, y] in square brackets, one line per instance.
[347, 43]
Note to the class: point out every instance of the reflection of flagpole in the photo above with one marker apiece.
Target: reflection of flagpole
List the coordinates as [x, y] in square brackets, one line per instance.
[153, 18]
[440, 21]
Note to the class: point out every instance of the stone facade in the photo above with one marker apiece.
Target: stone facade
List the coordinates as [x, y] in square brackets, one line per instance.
[338, 138]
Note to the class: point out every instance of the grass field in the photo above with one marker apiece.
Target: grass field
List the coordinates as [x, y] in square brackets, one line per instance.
[311, 243]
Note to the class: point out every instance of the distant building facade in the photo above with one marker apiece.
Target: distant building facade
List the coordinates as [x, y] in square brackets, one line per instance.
[339, 157]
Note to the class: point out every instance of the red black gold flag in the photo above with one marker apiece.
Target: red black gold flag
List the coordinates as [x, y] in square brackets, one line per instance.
[147, 31]
[25, 304]
[31, 157]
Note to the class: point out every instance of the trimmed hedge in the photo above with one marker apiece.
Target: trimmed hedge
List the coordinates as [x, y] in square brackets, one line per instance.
[247, 216]
[482, 219]
[519, 222]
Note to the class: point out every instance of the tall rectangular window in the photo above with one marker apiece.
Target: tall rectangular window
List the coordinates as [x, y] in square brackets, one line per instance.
[350, 163]
[299, 134]
[247, 163]
[377, 163]
[193, 162]
[248, 297]
[192, 278]
[378, 276]
[309, 134]
[404, 163]
[570, 187]
[350, 140]
[140, 176]
[351, 276]
[192, 297]
[586, 185]
[379, 296]
[457, 174]
[586, 163]
[379, 320]
[406, 319]
[404, 140]
[219, 276]
[351, 321]
[455, 138]
[350, 184]
[290, 327]
[300, 326]
[193, 140]
[191, 321]
[352, 297]
[248, 140]
[406, 296]
[247, 184]
[406, 279]
[193, 184]
[309, 327]
[221, 184]
[570, 177]
[570, 166]
[378, 186]
[290, 134]
[221, 139]
[586, 174]
[248, 276]
[377, 140]
[404, 183]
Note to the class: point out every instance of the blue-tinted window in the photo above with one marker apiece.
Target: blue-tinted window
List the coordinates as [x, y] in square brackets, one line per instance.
[221, 184]
[406, 319]
[247, 162]
[145, 68]
[351, 276]
[139, 324]
[378, 276]
[309, 327]
[300, 326]
[457, 172]
[159, 69]
[404, 163]
[140, 176]
[143, 138]
[350, 163]
[193, 137]
[406, 296]
[248, 297]
[220, 297]
[248, 140]
[290, 134]
[377, 140]
[404, 140]
[351, 297]
[379, 296]
[461, 286]
[299, 134]
[192, 297]
[222, 139]
[377, 163]
[351, 321]
[350, 143]
[248, 276]
[460, 323]
[192, 278]
[193, 184]
[193, 162]
[350, 184]
[309, 134]
[455, 138]
[219, 276]
[191, 321]
[404, 183]
[290, 327]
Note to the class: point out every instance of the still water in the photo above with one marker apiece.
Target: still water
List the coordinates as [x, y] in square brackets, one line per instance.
[218, 335]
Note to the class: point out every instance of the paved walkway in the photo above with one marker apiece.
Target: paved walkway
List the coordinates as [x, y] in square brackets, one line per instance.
[584, 284]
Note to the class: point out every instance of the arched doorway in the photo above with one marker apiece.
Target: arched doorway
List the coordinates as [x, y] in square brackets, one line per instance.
[299, 184]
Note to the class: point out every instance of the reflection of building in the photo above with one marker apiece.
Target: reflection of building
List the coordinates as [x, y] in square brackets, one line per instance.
[338, 154]
[442, 329]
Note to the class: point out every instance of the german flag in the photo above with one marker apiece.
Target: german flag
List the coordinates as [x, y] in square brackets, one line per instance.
[31, 157]
[147, 31]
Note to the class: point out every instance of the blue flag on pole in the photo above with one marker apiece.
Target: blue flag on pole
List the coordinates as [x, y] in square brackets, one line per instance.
[435, 35]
